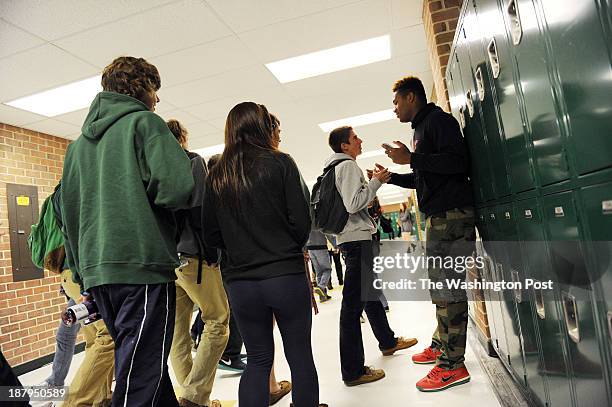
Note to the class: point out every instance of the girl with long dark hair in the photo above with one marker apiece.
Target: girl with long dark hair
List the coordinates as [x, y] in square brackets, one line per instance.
[257, 210]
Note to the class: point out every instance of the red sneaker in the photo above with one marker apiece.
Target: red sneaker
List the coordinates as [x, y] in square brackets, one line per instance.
[429, 355]
[439, 379]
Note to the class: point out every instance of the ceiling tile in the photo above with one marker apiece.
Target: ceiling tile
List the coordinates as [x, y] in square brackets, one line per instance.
[53, 19]
[54, 127]
[76, 118]
[39, 69]
[408, 40]
[13, 39]
[247, 15]
[236, 82]
[201, 129]
[407, 12]
[197, 141]
[17, 117]
[332, 28]
[152, 33]
[203, 60]
[183, 117]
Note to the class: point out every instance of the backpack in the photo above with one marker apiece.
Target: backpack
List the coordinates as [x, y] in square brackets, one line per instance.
[46, 240]
[330, 214]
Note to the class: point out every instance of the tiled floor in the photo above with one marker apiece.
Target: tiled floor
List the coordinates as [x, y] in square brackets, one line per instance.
[414, 319]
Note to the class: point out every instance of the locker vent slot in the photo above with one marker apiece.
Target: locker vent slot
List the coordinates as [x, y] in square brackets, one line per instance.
[515, 22]
[539, 298]
[480, 84]
[570, 311]
[493, 58]
[518, 296]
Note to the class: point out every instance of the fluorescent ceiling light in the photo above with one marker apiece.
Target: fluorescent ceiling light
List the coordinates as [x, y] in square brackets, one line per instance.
[332, 59]
[208, 152]
[361, 120]
[60, 100]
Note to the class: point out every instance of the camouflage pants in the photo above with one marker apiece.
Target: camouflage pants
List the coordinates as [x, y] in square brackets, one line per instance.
[450, 234]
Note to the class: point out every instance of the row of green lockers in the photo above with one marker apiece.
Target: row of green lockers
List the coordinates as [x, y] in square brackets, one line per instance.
[530, 82]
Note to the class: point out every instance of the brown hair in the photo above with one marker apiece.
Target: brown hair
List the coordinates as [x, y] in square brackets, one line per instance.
[410, 84]
[248, 132]
[339, 136]
[178, 130]
[131, 76]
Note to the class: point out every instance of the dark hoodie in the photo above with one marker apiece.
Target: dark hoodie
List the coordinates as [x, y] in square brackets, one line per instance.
[121, 179]
[440, 163]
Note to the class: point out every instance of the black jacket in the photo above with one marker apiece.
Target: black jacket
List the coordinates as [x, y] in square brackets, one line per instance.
[267, 238]
[440, 163]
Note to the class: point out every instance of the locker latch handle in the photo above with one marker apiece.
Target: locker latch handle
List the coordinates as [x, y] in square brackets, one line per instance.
[610, 323]
[606, 207]
[462, 117]
[493, 58]
[539, 299]
[570, 310]
[516, 29]
[518, 296]
[480, 84]
[470, 103]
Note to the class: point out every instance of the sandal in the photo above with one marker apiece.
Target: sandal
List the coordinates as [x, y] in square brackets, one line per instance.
[285, 388]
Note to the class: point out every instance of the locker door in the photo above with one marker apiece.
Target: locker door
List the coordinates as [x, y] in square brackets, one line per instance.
[507, 243]
[474, 133]
[496, 271]
[485, 103]
[526, 311]
[537, 95]
[500, 69]
[547, 312]
[576, 298]
[584, 71]
[597, 203]
[458, 108]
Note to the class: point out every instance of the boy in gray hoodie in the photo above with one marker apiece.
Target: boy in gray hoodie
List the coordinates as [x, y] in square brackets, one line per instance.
[355, 242]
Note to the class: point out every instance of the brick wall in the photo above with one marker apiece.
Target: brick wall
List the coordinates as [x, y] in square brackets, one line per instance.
[440, 20]
[29, 310]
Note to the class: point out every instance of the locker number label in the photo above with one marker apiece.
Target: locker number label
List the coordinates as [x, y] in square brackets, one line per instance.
[23, 200]
[606, 207]
[559, 212]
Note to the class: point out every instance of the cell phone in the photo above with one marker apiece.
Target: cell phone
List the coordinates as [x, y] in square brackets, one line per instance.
[387, 146]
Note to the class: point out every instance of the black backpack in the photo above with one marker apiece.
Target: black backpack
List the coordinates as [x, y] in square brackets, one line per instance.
[330, 214]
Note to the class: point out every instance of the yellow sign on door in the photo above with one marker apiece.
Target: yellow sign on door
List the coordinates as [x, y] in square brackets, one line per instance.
[23, 200]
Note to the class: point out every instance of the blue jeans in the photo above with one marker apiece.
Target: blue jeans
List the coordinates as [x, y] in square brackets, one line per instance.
[322, 267]
[65, 338]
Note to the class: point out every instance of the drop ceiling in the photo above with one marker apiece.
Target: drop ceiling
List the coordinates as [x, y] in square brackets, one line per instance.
[211, 55]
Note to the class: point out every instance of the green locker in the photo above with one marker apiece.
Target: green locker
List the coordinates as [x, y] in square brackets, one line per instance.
[473, 132]
[491, 299]
[596, 201]
[484, 104]
[536, 94]
[499, 68]
[526, 312]
[548, 316]
[455, 87]
[577, 298]
[495, 303]
[583, 74]
[506, 259]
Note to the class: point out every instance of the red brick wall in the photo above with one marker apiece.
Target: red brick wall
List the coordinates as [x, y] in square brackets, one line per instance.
[440, 20]
[29, 310]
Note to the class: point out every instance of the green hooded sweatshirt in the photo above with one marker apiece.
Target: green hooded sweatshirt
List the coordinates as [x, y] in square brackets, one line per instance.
[122, 178]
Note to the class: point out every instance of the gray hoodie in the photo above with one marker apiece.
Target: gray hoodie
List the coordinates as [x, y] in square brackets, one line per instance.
[356, 194]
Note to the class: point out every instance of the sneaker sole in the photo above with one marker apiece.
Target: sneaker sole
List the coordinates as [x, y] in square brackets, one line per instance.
[360, 383]
[229, 369]
[455, 383]
[424, 363]
[391, 352]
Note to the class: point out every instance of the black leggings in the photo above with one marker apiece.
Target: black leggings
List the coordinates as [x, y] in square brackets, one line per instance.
[254, 303]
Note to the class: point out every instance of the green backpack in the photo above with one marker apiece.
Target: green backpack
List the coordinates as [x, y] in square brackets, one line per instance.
[46, 236]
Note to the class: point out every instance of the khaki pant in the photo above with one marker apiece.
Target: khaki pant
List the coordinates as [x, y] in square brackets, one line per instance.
[196, 376]
[92, 383]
